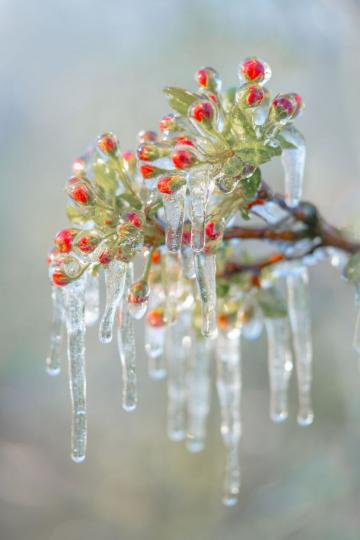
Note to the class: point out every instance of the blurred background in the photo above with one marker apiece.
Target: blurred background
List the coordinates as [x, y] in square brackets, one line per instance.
[71, 69]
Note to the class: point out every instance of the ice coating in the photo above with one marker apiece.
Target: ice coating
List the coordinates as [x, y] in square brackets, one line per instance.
[300, 321]
[92, 299]
[174, 205]
[200, 189]
[293, 160]
[198, 392]
[74, 294]
[177, 350]
[115, 276]
[279, 366]
[127, 349]
[205, 269]
[53, 358]
[228, 382]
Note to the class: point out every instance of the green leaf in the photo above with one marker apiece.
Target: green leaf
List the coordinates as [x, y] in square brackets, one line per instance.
[271, 303]
[78, 216]
[180, 99]
[285, 145]
[251, 185]
[242, 123]
[233, 166]
[131, 200]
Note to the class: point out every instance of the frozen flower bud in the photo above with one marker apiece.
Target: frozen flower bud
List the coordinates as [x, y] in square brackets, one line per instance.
[156, 317]
[130, 239]
[70, 265]
[207, 78]
[299, 104]
[106, 254]
[135, 219]
[283, 108]
[139, 292]
[87, 241]
[170, 184]
[250, 96]
[129, 161]
[64, 239]
[80, 191]
[213, 230]
[182, 140]
[152, 151]
[202, 112]
[150, 171]
[169, 124]
[59, 278]
[108, 144]
[147, 136]
[254, 70]
[156, 257]
[183, 159]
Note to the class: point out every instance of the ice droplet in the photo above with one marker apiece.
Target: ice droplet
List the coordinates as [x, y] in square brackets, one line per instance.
[74, 294]
[176, 355]
[92, 299]
[174, 214]
[115, 276]
[198, 392]
[293, 160]
[299, 315]
[228, 358]
[200, 189]
[127, 349]
[279, 366]
[205, 269]
[53, 359]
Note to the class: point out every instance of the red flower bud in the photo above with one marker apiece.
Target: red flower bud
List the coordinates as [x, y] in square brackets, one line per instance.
[60, 279]
[168, 123]
[183, 159]
[108, 144]
[64, 239]
[202, 112]
[148, 152]
[208, 79]
[87, 242]
[184, 141]
[147, 136]
[170, 184]
[149, 171]
[139, 292]
[134, 219]
[129, 157]
[155, 257]
[283, 107]
[79, 191]
[254, 96]
[106, 255]
[253, 70]
[156, 318]
[212, 232]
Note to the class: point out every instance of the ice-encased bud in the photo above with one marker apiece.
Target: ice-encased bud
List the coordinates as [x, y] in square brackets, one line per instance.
[207, 78]
[254, 70]
[138, 298]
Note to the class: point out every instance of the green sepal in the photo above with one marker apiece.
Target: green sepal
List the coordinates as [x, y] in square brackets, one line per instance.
[251, 185]
[285, 145]
[180, 99]
[271, 303]
[133, 201]
[233, 166]
[78, 216]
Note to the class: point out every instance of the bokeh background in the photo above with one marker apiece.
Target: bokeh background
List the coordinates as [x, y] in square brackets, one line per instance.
[70, 69]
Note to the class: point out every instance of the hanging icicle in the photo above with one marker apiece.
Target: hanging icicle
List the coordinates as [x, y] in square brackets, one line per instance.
[75, 325]
[177, 350]
[53, 359]
[115, 276]
[198, 392]
[228, 383]
[127, 348]
[205, 269]
[92, 299]
[299, 315]
[293, 160]
[279, 365]
[174, 204]
[200, 188]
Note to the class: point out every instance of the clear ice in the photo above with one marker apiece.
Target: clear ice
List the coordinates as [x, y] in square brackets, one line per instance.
[74, 294]
[53, 359]
[198, 392]
[205, 269]
[279, 366]
[200, 189]
[299, 315]
[115, 276]
[174, 205]
[92, 299]
[127, 349]
[293, 160]
[228, 382]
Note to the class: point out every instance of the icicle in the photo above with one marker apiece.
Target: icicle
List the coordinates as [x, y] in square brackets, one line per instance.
[229, 391]
[174, 214]
[187, 261]
[205, 268]
[252, 328]
[299, 314]
[154, 347]
[177, 345]
[293, 160]
[279, 365]
[75, 324]
[92, 299]
[127, 349]
[198, 393]
[356, 338]
[53, 360]
[115, 275]
[200, 189]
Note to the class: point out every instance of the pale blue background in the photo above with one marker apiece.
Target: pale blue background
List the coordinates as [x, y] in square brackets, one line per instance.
[70, 69]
